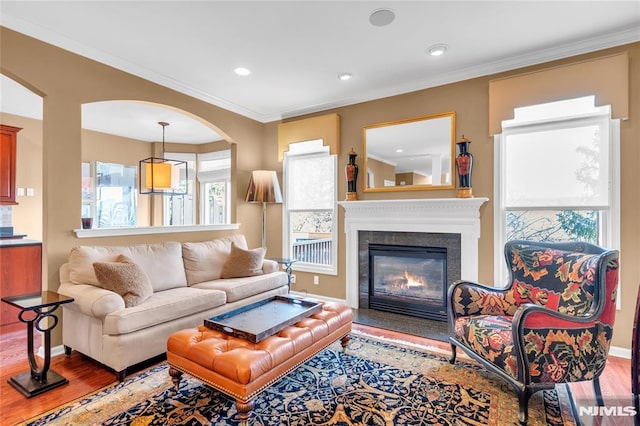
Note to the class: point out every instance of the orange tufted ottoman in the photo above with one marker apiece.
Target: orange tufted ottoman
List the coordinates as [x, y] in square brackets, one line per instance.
[242, 369]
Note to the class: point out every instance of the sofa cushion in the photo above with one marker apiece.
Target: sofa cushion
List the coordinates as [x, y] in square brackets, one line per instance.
[204, 261]
[125, 278]
[240, 288]
[243, 263]
[161, 307]
[162, 262]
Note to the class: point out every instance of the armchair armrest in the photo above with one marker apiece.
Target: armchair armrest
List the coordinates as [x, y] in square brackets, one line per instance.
[469, 298]
[554, 347]
[91, 300]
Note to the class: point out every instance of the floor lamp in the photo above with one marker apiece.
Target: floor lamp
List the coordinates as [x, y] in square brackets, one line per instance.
[264, 188]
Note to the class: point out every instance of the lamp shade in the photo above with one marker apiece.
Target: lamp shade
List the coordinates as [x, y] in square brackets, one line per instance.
[161, 176]
[263, 187]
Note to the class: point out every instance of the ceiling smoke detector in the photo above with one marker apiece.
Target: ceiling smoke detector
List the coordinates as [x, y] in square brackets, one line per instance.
[381, 17]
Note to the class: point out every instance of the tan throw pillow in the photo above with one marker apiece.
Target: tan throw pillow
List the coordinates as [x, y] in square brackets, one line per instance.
[243, 263]
[125, 278]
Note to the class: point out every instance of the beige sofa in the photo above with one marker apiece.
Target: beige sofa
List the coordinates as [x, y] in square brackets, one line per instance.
[187, 288]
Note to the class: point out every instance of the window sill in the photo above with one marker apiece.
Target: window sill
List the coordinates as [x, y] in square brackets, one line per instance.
[146, 230]
[306, 267]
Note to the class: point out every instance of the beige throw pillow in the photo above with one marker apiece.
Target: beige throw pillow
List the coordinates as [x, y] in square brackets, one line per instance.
[125, 278]
[243, 263]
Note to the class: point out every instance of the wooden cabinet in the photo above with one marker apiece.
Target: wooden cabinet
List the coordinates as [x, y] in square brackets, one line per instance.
[8, 148]
[21, 273]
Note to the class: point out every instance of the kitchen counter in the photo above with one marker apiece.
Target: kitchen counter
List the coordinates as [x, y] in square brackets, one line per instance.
[16, 242]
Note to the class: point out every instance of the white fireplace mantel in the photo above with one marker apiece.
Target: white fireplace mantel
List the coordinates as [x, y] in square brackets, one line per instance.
[432, 215]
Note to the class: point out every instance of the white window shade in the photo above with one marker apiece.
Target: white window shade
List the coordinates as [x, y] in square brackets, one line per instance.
[311, 190]
[560, 167]
[214, 166]
[221, 175]
[190, 158]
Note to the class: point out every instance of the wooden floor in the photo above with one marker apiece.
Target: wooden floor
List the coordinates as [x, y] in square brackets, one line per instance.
[86, 376]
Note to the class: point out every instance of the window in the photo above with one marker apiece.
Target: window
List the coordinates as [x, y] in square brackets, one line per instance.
[557, 176]
[109, 194]
[214, 177]
[88, 190]
[180, 209]
[310, 207]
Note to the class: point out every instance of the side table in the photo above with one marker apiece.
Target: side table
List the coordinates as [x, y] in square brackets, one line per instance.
[287, 263]
[37, 311]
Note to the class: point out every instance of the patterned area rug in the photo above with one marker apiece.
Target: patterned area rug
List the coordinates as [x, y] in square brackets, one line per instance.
[377, 382]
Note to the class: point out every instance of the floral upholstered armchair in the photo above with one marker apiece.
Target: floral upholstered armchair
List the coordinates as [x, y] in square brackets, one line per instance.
[552, 323]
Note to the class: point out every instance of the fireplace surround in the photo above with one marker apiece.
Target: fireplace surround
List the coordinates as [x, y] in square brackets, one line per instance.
[409, 280]
[411, 270]
[459, 216]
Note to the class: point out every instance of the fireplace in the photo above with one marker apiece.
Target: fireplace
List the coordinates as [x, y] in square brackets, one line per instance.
[409, 280]
[453, 223]
[426, 256]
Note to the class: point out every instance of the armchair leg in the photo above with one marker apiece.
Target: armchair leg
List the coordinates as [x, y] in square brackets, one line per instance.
[598, 391]
[454, 352]
[523, 405]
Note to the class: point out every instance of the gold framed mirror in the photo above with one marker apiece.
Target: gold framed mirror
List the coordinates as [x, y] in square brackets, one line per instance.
[412, 154]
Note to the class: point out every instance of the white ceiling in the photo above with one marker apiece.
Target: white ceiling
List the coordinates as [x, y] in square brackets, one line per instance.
[296, 49]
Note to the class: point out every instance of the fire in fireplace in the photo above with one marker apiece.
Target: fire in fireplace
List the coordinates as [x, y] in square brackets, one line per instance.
[408, 280]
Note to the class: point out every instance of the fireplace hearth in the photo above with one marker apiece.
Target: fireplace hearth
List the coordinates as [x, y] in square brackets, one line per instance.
[409, 280]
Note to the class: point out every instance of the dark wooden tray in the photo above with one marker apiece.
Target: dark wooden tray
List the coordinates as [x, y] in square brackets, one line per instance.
[260, 320]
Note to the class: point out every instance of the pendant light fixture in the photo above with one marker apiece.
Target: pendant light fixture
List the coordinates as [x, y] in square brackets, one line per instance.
[161, 176]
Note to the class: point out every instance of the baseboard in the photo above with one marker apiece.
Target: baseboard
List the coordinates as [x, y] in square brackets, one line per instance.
[317, 296]
[55, 351]
[620, 352]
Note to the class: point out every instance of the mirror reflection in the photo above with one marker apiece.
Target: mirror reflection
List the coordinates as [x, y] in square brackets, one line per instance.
[411, 154]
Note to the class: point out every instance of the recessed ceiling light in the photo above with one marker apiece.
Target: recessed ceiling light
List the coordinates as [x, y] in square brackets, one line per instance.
[242, 71]
[399, 150]
[345, 76]
[437, 49]
[381, 17]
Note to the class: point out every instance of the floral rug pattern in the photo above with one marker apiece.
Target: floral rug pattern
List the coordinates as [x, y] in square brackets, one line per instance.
[376, 382]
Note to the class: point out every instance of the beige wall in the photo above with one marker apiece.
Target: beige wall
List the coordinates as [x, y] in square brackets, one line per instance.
[66, 81]
[469, 99]
[381, 171]
[411, 178]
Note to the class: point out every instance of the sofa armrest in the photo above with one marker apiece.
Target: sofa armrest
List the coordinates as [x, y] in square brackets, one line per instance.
[91, 300]
[269, 266]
